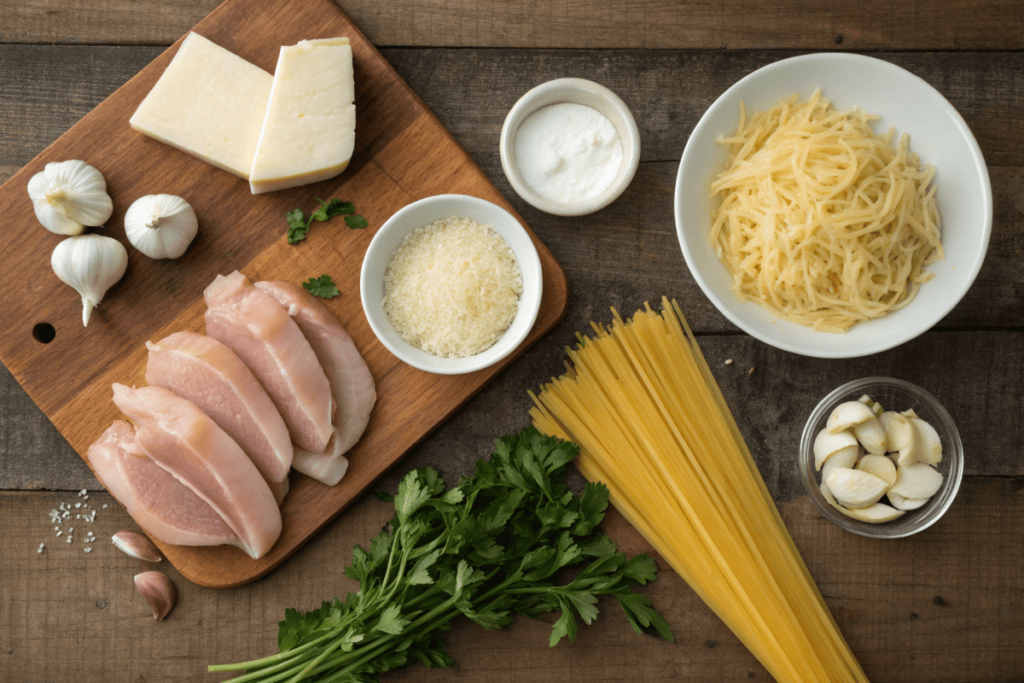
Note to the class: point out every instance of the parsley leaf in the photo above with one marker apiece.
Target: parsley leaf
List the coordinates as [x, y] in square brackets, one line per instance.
[492, 546]
[298, 224]
[322, 287]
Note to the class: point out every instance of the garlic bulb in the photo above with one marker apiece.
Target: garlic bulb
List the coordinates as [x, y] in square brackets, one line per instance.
[161, 225]
[70, 195]
[91, 264]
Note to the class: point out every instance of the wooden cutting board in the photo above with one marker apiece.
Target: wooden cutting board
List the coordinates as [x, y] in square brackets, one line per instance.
[403, 153]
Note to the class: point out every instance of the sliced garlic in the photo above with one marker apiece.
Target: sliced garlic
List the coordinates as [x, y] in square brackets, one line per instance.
[907, 504]
[133, 544]
[159, 592]
[855, 489]
[843, 458]
[91, 264]
[871, 436]
[69, 195]
[848, 415]
[880, 466]
[827, 444]
[161, 226]
[917, 481]
[879, 513]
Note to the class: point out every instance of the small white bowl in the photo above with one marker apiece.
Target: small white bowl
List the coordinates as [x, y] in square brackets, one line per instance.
[422, 213]
[573, 91]
[937, 133]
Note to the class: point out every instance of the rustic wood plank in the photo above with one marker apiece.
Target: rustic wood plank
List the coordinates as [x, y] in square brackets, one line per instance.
[69, 377]
[52, 626]
[771, 405]
[688, 24]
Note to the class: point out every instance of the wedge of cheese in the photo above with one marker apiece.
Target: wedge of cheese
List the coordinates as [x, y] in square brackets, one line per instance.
[310, 127]
[209, 103]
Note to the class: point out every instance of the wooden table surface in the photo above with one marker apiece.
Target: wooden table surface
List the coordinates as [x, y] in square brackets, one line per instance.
[946, 605]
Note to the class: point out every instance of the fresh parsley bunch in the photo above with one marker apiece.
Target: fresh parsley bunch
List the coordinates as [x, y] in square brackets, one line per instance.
[491, 547]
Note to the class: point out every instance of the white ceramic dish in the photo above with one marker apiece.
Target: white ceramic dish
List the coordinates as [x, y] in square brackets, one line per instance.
[575, 91]
[937, 133]
[425, 212]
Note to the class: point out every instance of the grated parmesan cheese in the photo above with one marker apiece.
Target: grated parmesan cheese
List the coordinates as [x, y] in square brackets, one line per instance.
[452, 288]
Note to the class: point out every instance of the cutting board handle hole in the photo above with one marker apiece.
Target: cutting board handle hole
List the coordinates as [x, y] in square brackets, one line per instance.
[44, 333]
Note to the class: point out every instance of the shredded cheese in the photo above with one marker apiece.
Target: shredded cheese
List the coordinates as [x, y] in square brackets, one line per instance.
[651, 423]
[821, 220]
[452, 288]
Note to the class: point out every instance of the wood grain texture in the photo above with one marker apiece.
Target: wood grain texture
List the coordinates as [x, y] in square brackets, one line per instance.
[403, 153]
[688, 24]
[882, 594]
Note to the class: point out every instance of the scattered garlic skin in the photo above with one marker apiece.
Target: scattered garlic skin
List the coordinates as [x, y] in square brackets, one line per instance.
[161, 226]
[136, 545]
[70, 195]
[91, 264]
[159, 592]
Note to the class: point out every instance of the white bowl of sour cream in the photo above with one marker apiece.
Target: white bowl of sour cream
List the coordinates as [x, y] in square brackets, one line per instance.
[570, 147]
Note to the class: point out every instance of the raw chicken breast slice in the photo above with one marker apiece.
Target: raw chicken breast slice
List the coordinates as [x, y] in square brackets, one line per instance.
[210, 375]
[351, 382]
[163, 506]
[181, 439]
[255, 327]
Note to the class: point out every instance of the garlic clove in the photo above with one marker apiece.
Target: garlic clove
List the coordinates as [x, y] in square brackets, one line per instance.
[908, 504]
[880, 466]
[931, 443]
[136, 545]
[69, 195]
[898, 431]
[161, 226]
[825, 444]
[847, 415]
[917, 481]
[879, 513]
[91, 264]
[854, 488]
[871, 436]
[159, 592]
[843, 458]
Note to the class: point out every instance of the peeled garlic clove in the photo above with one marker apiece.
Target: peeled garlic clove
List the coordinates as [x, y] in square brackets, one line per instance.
[930, 443]
[825, 444]
[898, 431]
[876, 408]
[161, 226]
[871, 436]
[159, 592]
[878, 513]
[134, 544]
[848, 415]
[843, 458]
[69, 195]
[907, 504]
[917, 481]
[880, 466]
[91, 264]
[855, 489]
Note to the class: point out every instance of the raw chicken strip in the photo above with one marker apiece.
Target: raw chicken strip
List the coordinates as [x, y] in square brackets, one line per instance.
[253, 325]
[181, 439]
[350, 379]
[163, 506]
[210, 375]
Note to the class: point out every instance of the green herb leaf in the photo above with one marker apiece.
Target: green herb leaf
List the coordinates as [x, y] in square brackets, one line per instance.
[298, 228]
[356, 222]
[298, 225]
[322, 287]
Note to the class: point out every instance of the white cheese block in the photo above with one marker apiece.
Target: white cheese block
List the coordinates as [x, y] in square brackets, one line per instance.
[310, 128]
[209, 103]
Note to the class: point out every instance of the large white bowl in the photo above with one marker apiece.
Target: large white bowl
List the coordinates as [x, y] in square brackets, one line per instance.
[424, 212]
[937, 133]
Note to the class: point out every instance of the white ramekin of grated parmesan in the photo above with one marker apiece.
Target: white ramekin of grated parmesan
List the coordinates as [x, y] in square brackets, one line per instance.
[451, 284]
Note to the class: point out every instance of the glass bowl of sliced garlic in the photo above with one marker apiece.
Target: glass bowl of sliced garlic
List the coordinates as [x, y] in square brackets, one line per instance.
[881, 457]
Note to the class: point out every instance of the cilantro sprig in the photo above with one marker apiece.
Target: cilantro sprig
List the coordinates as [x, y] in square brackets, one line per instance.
[322, 287]
[491, 547]
[298, 224]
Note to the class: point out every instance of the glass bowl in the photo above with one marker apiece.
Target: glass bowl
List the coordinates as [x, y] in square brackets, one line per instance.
[893, 394]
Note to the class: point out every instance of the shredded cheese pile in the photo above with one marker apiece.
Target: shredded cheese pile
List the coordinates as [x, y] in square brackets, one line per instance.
[452, 288]
[821, 220]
